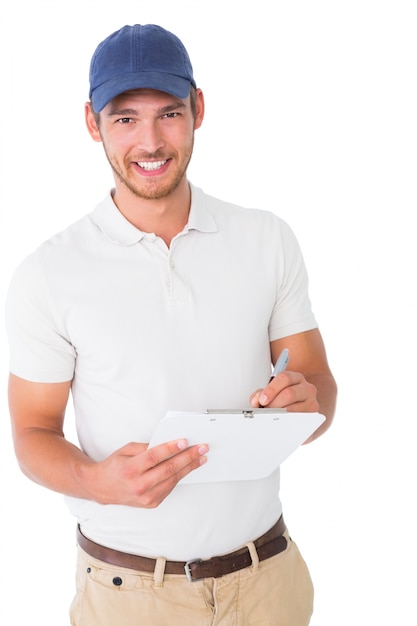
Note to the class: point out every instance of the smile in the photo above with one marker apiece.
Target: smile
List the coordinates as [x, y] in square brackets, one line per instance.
[151, 165]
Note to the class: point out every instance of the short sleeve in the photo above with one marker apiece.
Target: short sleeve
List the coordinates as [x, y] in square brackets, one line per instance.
[38, 348]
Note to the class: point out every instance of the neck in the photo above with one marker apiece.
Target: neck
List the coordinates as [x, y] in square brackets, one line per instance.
[165, 217]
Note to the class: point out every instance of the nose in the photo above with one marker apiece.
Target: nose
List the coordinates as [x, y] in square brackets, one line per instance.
[149, 138]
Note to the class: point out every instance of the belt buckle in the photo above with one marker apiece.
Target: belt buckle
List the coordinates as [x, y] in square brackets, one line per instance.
[188, 571]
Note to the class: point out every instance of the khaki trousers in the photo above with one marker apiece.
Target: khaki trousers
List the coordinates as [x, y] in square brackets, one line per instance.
[274, 592]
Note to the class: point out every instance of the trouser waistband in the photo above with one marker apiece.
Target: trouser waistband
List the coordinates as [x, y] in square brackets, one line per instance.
[271, 543]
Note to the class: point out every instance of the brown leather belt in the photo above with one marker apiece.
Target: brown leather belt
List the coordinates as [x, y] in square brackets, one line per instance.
[271, 543]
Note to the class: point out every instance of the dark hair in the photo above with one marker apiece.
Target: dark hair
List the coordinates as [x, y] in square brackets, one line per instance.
[193, 100]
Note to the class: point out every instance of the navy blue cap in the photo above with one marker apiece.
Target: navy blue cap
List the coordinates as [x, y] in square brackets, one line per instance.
[136, 57]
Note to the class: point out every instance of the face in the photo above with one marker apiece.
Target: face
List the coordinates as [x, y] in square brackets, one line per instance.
[148, 139]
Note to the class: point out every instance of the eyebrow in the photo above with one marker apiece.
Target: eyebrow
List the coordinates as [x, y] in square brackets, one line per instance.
[161, 111]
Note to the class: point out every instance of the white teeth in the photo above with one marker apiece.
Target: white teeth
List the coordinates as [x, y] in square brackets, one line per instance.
[151, 165]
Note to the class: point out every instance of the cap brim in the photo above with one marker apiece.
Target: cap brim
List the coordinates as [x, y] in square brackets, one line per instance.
[168, 83]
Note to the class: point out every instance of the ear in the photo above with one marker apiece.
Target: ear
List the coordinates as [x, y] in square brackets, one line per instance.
[199, 109]
[91, 123]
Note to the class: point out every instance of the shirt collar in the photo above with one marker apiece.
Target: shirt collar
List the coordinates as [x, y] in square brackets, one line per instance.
[121, 232]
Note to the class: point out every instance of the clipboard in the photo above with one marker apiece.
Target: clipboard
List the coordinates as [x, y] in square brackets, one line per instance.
[245, 444]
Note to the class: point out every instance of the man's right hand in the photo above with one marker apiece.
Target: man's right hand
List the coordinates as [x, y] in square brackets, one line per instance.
[138, 476]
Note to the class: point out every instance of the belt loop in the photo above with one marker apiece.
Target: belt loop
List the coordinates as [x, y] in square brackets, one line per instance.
[159, 571]
[253, 555]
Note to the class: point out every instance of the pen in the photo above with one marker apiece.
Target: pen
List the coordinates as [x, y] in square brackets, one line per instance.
[281, 363]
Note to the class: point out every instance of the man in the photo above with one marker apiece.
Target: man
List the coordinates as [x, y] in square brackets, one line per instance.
[162, 298]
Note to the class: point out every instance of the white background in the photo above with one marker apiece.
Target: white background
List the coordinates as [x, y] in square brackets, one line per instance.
[311, 113]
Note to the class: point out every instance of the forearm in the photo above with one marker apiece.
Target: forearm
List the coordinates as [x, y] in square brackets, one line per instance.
[132, 475]
[326, 397]
[48, 459]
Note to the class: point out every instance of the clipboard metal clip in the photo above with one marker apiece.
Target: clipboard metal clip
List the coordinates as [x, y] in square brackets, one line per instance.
[249, 412]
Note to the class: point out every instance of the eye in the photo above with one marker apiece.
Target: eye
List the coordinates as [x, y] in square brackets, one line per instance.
[173, 114]
[124, 120]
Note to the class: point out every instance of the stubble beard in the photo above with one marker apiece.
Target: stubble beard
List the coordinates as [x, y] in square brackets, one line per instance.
[158, 190]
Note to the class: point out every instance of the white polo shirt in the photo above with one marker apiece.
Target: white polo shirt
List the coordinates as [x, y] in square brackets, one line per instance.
[141, 329]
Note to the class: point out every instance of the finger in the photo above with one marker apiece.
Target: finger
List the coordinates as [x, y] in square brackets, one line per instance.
[309, 405]
[179, 466]
[299, 397]
[254, 398]
[282, 390]
[170, 450]
[159, 480]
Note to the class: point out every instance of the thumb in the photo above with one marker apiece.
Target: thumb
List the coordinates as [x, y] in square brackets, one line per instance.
[132, 449]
